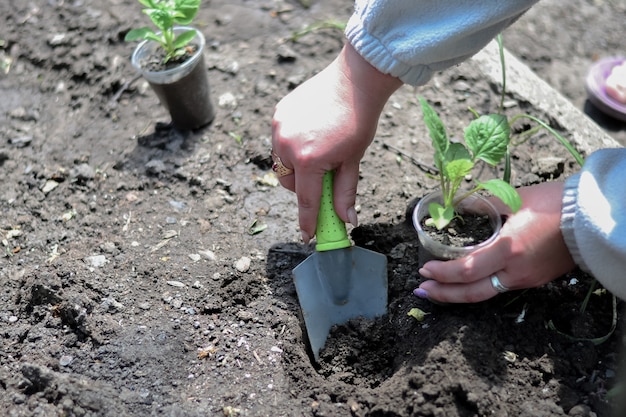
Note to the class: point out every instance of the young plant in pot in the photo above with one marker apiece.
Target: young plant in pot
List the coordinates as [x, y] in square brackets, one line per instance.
[451, 214]
[172, 61]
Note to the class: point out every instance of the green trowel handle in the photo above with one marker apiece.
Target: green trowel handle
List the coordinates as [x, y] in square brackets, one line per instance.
[331, 230]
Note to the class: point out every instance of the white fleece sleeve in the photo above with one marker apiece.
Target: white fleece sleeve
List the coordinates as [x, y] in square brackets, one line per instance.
[412, 39]
[593, 218]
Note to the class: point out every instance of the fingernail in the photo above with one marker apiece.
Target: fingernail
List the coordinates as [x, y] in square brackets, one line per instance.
[420, 293]
[426, 273]
[354, 221]
[305, 237]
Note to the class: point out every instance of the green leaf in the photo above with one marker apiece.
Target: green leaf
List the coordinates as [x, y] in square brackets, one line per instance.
[456, 164]
[161, 19]
[417, 314]
[457, 169]
[441, 216]
[256, 227]
[138, 34]
[184, 38]
[504, 191]
[154, 37]
[457, 151]
[186, 10]
[488, 137]
[435, 127]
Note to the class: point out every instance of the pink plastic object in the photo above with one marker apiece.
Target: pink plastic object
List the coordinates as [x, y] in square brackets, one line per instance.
[595, 86]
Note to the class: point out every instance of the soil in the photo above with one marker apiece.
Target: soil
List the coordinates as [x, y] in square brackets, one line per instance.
[468, 231]
[147, 271]
[156, 60]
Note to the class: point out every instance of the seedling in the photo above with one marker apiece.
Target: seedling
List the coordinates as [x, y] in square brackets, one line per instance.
[165, 14]
[486, 138]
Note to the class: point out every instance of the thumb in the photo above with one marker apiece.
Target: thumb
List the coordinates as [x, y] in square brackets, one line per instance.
[345, 185]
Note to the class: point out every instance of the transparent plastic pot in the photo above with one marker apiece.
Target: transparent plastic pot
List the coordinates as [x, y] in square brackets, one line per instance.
[183, 90]
[432, 249]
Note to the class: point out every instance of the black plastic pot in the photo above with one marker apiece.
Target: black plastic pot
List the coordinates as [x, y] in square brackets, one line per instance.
[184, 89]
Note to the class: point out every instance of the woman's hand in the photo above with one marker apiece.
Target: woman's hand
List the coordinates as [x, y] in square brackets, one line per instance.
[530, 252]
[326, 124]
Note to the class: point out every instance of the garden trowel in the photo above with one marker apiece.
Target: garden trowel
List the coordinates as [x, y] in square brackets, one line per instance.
[339, 281]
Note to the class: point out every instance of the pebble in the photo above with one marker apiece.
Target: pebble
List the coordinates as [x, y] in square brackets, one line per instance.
[12, 319]
[108, 247]
[286, 54]
[194, 257]
[111, 304]
[177, 284]
[59, 39]
[549, 166]
[20, 113]
[462, 86]
[96, 260]
[178, 205]
[49, 186]
[245, 315]
[233, 67]
[243, 264]
[295, 80]
[21, 142]
[65, 360]
[228, 101]
[83, 172]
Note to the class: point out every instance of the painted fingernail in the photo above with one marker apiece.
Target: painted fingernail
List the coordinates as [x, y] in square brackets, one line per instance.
[420, 293]
[354, 221]
[426, 273]
[305, 237]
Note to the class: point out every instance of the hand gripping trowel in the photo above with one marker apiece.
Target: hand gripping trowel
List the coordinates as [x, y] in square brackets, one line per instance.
[339, 281]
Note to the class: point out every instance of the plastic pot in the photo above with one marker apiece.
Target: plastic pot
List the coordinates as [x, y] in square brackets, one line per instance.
[433, 249]
[184, 89]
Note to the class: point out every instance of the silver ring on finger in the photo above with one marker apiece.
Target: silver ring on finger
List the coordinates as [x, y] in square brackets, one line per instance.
[497, 285]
